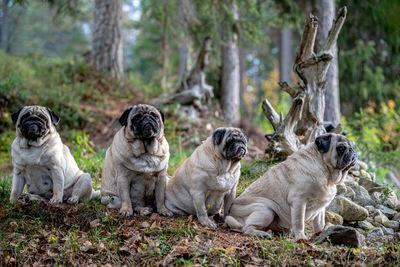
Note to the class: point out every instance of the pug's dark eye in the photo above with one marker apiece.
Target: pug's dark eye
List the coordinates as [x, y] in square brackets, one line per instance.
[153, 114]
[137, 117]
[341, 149]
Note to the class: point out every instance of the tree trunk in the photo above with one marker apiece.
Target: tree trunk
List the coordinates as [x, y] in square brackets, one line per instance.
[107, 51]
[4, 27]
[230, 87]
[285, 55]
[183, 46]
[164, 47]
[325, 12]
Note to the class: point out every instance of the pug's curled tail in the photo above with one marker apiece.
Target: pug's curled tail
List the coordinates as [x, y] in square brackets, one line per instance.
[233, 223]
[95, 194]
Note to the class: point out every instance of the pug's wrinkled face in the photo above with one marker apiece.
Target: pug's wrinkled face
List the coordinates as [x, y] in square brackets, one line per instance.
[144, 122]
[34, 122]
[337, 151]
[231, 142]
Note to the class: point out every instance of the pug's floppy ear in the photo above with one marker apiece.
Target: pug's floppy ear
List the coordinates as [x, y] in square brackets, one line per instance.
[162, 115]
[245, 135]
[218, 135]
[15, 116]
[54, 117]
[123, 120]
[323, 142]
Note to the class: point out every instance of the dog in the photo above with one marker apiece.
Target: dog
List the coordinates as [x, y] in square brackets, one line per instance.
[135, 167]
[209, 177]
[296, 190]
[43, 163]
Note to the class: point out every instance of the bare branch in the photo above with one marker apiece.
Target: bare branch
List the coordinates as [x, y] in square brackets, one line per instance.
[335, 30]
[306, 49]
[271, 114]
[292, 91]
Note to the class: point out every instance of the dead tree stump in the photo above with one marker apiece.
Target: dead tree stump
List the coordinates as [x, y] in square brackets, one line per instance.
[304, 121]
[193, 90]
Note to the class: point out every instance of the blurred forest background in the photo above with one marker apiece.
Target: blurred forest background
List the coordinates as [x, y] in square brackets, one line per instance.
[48, 57]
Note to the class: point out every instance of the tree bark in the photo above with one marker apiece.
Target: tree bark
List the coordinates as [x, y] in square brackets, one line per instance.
[285, 55]
[324, 10]
[4, 27]
[230, 87]
[107, 53]
[164, 47]
[183, 46]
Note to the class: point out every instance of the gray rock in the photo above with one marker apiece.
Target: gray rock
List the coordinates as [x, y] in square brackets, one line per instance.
[327, 225]
[355, 173]
[341, 189]
[392, 224]
[365, 225]
[377, 197]
[387, 211]
[391, 200]
[396, 217]
[333, 218]
[388, 231]
[363, 165]
[371, 209]
[380, 217]
[350, 194]
[365, 174]
[356, 167]
[362, 196]
[349, 210]
[348, 181]
[374, 233]
[342, 235]
[373, 176]
[371, 186]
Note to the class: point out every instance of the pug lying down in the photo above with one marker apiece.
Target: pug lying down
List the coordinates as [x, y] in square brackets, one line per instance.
[43, 163]
[296, 190]
[208, 178]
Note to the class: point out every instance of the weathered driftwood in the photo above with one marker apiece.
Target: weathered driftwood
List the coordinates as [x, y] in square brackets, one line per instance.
[193, 90]
[305, 119]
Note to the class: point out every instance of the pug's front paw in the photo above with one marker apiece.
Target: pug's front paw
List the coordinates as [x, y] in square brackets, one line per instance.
[144, 211]
[73, 200]
[126, 211]
[163, 211]
[55, 200]
[205, 221]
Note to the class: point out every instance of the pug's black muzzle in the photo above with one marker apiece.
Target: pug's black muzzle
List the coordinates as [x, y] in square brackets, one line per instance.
[236, 150]
[348, 159]
[33, 128]
[146, 127]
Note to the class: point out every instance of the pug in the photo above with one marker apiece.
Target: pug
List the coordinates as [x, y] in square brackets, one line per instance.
[296, 190]
[135, 166]
[43, 163]
[208, 178]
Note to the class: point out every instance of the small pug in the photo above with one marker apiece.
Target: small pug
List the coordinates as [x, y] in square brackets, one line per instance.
[135, 166]
[296, 190]
[208, 178]
[43, 162]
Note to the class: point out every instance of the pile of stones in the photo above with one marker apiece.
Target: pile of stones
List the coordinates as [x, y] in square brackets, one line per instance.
[362, 212]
